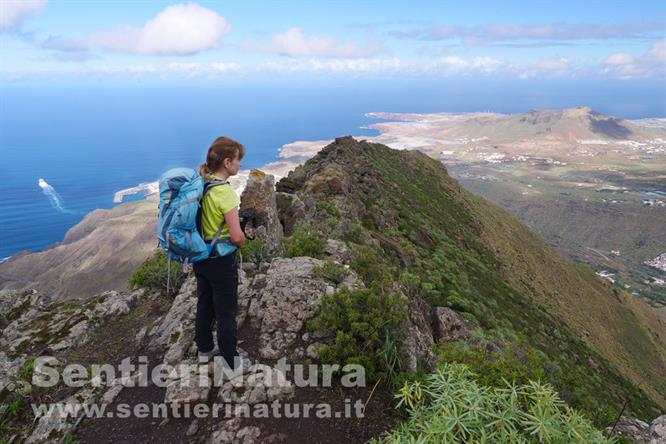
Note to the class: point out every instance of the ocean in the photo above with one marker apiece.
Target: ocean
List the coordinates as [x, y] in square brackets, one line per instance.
[65, 150]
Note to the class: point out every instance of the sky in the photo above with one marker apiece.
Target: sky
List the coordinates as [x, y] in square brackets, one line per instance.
[52, 41]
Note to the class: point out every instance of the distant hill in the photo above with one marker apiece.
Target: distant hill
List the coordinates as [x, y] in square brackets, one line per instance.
[593, 185]
[99, 253]
[565, 125]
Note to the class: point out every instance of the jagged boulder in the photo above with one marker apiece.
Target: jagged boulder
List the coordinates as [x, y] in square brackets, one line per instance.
[189, 382]
[176, 328]
[632, 428]
[290, 210]
[231, 432]
[259, 207]
[448, 325]
[416, 347]
[657, 431]
[639, 431]
[283, 299]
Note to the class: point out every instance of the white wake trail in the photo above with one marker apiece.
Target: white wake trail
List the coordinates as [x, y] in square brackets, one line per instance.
[54, 197]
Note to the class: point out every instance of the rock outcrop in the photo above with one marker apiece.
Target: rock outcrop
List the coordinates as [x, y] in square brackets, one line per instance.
[281, 300]
[639, 431]
[448, 325]
[259, 208]
[34, 326]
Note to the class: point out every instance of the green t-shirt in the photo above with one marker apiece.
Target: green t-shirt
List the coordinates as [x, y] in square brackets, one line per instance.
[218, 202]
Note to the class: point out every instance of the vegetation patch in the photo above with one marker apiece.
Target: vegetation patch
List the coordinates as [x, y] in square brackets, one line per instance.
[304, 242]
[449, 405]
[153, 273]
[365, 322]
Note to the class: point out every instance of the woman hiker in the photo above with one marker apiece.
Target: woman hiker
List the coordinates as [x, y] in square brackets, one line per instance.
[217, 276]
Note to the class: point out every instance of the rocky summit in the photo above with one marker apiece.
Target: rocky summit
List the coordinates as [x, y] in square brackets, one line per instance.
[363, 255]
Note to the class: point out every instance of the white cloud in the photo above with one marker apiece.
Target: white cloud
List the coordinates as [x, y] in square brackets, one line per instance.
[619, 58]
[166, 70]
[355, 65]
[657, 52]
[294, 43]
[181, 29]
[478, 64]
[626, 66]
[341, 65]
[14, 12]
[226, 67]
[455, 62]
[554, 64]
[184, 67]
[548, 67]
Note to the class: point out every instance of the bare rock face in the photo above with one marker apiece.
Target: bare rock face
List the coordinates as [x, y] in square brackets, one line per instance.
[337, 250]
[416, 347]
[639, 431]
[282, 299]
[32, 323]
[176, 328]
[290, 210]
[448, 325]
[258, 206]
[657, 431]
[632, 428]
[54, 424]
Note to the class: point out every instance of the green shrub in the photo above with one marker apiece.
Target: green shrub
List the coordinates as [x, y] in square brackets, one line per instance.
[512, 363]
[355, 233]
[324, 208]
[370, 267]
[253, 250]
[335, 273]
[69, 439]
[391, 357]
[365, 328]
[304, 242]
[331, 221]
[25, 372]
[153, 273]
[451, 406]
[10, 411]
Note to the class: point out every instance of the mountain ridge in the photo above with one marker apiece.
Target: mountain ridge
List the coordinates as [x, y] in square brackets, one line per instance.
[358, 237]
[475, 221]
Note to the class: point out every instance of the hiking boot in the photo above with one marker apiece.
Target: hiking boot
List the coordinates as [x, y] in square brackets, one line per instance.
[210, 354]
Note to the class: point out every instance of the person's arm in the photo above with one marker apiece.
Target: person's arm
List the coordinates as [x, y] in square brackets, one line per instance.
[233, 222]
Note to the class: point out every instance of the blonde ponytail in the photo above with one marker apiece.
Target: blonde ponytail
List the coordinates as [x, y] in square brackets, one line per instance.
[203, 170]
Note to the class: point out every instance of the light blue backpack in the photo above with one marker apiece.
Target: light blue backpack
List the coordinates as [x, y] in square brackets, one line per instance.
[179, 231]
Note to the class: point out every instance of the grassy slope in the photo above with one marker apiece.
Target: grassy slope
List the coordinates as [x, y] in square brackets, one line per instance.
[573, 218]
[471, 255]
[617, 325]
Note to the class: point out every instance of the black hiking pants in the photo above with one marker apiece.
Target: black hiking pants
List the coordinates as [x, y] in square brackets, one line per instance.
[217, 299]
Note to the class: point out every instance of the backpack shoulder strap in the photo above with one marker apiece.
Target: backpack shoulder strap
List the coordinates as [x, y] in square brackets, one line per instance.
[211, 184]
[207, 187]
